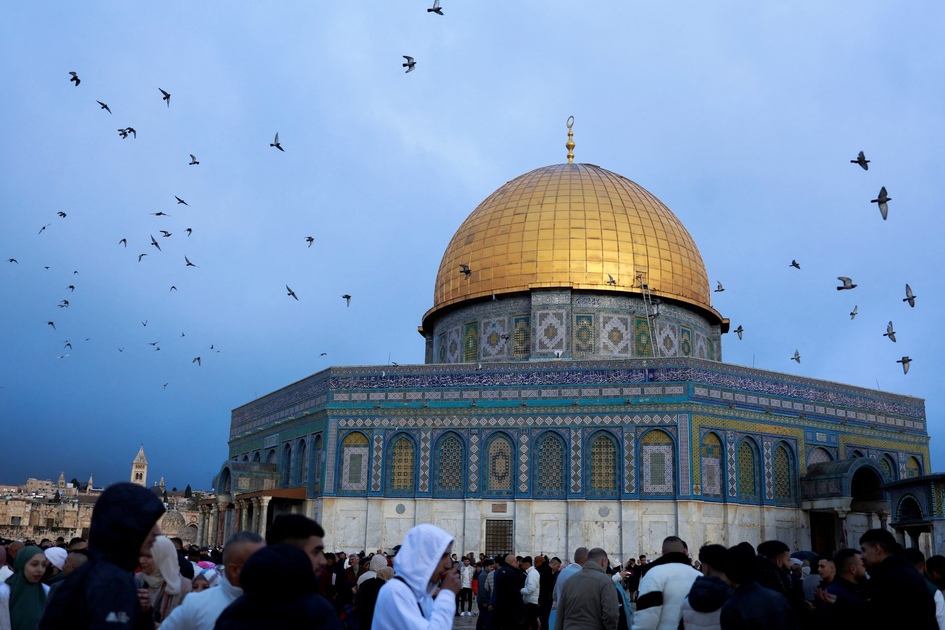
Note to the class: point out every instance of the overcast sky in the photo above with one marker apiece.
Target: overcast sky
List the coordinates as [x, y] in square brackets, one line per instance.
[742, 117]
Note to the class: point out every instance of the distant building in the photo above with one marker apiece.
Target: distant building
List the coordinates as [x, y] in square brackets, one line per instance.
[573, 394]
[139, 469]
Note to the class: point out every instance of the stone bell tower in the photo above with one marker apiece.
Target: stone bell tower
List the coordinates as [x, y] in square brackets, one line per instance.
[139, 469]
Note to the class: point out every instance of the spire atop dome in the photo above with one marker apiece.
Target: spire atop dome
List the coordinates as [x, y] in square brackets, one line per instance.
[570, 144]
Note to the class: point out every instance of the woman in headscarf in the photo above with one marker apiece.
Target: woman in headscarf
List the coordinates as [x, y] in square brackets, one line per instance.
[205, 578]
[23, 595]
[161, 587]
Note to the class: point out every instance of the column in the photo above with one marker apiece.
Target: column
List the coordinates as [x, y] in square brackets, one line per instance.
[842, 514]
[883, 518]
[255, 522]
[201, 525]
[263, 514]
[244, 514]
[212, 533]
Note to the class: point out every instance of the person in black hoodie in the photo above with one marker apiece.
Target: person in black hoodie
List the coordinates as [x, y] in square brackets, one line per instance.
[703, 605]
[278, 592]
[101, 593]
[752, 606]
[898, 596]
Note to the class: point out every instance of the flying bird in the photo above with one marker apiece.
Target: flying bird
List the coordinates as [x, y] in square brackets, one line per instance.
[309, 240]
[796, 357]
[189, 264]
[436, 8]
[104, 106]
[140, 256]
[197, 361]
[166, 97]
[13, 260]
[165, 234]
[720, 288]
[160, 214]
[193, 161]
[739, 331]
[155, 243]
[181, 201]
[75, 79]
[61, 214]
[291, 293]
[189, 230]
[51, 324]
[68, 345]
[347, 299]
[795, 264]
[610, 279]
[144, 323]
[42, 229]
[165, 385]
[323, 354]
[847, 283]
[121, 349]
[890, 332]
[465, 270]
[275, 143]
[124, 242]
[410, 63]
[63, 304]
[882, 199]
[862, 161]
[153, 343]
[905, 364]
[910, 297]
[132, 131]
[853, 312]
[173, 288]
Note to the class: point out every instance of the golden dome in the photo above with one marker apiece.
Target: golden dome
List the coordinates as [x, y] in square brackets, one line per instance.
[572, 226]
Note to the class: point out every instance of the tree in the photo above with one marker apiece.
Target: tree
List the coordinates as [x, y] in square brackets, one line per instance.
[188, 492]
[75, 483]
[174, 489]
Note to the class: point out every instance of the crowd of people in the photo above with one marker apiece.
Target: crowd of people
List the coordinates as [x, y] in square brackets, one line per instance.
[128, 575]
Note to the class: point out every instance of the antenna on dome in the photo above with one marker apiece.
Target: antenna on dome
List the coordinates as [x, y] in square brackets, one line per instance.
[570, 144]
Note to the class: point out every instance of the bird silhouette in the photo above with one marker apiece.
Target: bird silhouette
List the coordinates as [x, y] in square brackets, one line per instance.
[63, 304]
[165, 385]
[43, 229]
[132, 131]
[51, 324]
[189, 230]
[61, 214]
[890, 332]
[144, 323]
[153, 343]
[347, 299]
[13, 260]
[68, 345]
[436, 8]
[291, 293]
[323, 354]
[905, 364]
[882, 199]
[124, 242]
[847, 283]
[720, 288]
[910, 297]
[165, 234]
[410, 63]
[275, 143]
[140, 256]
[796, 357]
[862, 161]
[795, 264]
[123, 133]
[155, 243]
[739, 331]
[104, 106]
[189, 264]
[465, 270]
[75, 79]
[173, 288]
[610, 280]
[193, 161]
[121, 349]
[853, 312]
[166, 97]
[181, 201]
[160, 214]
[309, 240]
[197, 361]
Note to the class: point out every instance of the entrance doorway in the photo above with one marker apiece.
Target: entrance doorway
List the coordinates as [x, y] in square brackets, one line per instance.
[823, 533]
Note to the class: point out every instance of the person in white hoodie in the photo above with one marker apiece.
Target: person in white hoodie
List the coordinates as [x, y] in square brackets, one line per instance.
[422, 565]
[664, 587]
[199, 611]
[530, 593]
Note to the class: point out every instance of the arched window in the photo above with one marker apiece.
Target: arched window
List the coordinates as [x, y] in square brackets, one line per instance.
[449, 456]
[301, 479]
[499, 465]
[246, 457]
[271, 456]
[355, 453]
[402, 464]
[747, 467]
[256, 457]
[783, 474]
[711, 465]
[818, 456]
[913, 468]
[657, 463]
[319, 459]
[603, 464]
[551, 471]
[856, 454]
[889, 467]
[286, 476]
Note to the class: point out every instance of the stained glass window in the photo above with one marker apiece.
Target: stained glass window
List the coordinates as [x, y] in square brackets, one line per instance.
[657, 453]
[783, 474]
[711, 465]
[354, 462]
[603, 465]
[550, 464]
[913, 469]
[499, 465]
[747, 470]
[449, 471]
[401, 464]
[888, 468]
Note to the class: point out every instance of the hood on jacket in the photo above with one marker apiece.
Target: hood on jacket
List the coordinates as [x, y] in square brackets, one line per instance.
[278, 573]
[121, 520]
[378, 562]
[708, 593]
[419, 554]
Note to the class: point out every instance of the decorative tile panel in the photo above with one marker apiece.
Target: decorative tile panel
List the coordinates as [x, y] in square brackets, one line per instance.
[615, 336]
[474, 462]
[685, 342]
[521, 337]
[494, 341]
[576, 463]
[583, 334]
[642, 338]
[730, 456]
[629, 464]
[377, 467]
[769, 477]
[454, 345]
[685, 456]
[523, 462]
[551, 332]
[471, 342]
[667, 338]
[424, 485]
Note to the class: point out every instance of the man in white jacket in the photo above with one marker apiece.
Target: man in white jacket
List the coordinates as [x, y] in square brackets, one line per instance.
[530, 592]
[199, 611]
[421, 566]
[664, 587]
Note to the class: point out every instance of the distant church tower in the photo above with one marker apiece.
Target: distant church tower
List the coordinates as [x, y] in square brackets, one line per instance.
[139, 469]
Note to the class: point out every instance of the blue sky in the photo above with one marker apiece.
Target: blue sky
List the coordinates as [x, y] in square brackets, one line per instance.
[742, 117]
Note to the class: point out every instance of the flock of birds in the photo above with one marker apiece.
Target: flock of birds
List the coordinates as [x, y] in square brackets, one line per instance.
[847, 284]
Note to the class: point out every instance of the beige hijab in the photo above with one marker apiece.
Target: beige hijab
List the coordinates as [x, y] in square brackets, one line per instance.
[168, 569]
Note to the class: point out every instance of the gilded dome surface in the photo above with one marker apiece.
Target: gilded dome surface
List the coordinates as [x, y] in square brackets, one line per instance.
[574, 226]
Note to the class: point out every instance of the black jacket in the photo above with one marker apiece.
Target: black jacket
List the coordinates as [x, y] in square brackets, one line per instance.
[278, 592]
[754, 607]
[508, 609]
[708, 594]
[899, 597]
[101, 594]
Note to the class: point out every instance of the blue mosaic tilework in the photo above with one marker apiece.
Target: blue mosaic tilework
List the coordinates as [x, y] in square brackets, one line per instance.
[521, 336]
[685, 342]
[424, 485]
[730, 457]
[769, 476]
[474, 462]
[330, 457]
[629, 464]
[551, 332]
[576, 464]
[549, 464]
[377, 466]
[495, 338]
[449, 466]
[616, 337]
[583, 335]
[471, 342]
[642, 339]
[667, 338]
[685, 461]
[523, 462]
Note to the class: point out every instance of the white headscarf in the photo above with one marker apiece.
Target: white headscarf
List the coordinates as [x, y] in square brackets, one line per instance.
[164, 555]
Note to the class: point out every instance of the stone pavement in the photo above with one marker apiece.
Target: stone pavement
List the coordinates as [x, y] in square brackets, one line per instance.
[465, 623]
